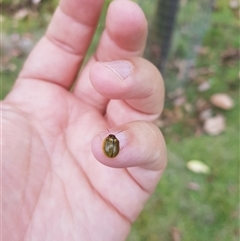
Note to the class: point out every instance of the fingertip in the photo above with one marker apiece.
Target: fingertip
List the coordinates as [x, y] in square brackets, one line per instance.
[141, 144]
[126, 21]
[110, 79]
[102, 154]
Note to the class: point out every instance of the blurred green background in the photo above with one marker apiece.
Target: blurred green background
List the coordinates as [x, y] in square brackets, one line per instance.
[203, 61]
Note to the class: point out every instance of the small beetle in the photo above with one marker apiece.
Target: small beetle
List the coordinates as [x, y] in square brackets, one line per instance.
[111, 146]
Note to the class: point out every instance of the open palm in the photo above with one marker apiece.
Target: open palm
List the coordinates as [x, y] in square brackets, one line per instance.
[57, 182]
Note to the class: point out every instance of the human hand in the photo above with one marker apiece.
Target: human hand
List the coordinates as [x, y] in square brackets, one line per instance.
[57, 182]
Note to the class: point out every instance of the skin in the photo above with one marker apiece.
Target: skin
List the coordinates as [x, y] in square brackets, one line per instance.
[57, 184]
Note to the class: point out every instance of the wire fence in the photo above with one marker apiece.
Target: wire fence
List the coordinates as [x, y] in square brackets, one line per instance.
[176, 30]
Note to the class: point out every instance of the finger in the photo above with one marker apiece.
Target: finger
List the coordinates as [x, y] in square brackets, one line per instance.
[125, 33]
[141, 146]
[136, 169]
[124, 37]
[135, 85]
[59, 54]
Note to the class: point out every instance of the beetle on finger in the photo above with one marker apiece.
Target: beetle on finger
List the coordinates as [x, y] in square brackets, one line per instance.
[111, 146]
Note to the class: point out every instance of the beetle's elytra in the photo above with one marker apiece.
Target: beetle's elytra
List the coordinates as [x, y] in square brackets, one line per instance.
[111, 146]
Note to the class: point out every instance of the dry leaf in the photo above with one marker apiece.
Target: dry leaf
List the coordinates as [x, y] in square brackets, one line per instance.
[21, 14]
[222, 101]
[205, 114]
[230, 55]
[204, 86]
[1, 18]
[234, 4]
[198, 131]
[201, 105]
[201, 50]
[206, 71]
[198, 167]
[193, 186]
[183, 2]
[159, 122]
[193, 74]
[179, 101]
[176, 234]
[8, 67]
[178, 113]
[214, 125]
[183, 67]
[12, 67]
[188, 107]
[26, 44]
[176, 93]
[36, 1]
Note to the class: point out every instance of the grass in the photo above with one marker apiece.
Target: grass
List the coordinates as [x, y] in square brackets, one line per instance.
[206, 214]
[211, 212]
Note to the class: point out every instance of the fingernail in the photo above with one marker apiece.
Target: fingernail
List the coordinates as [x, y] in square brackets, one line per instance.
[122, 139]
[122, 68]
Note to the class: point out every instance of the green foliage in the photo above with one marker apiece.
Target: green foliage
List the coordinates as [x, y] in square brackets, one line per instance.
[212, 212]
[209, 213]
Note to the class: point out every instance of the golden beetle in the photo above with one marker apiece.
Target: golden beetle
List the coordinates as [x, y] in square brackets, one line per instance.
[111, 146]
